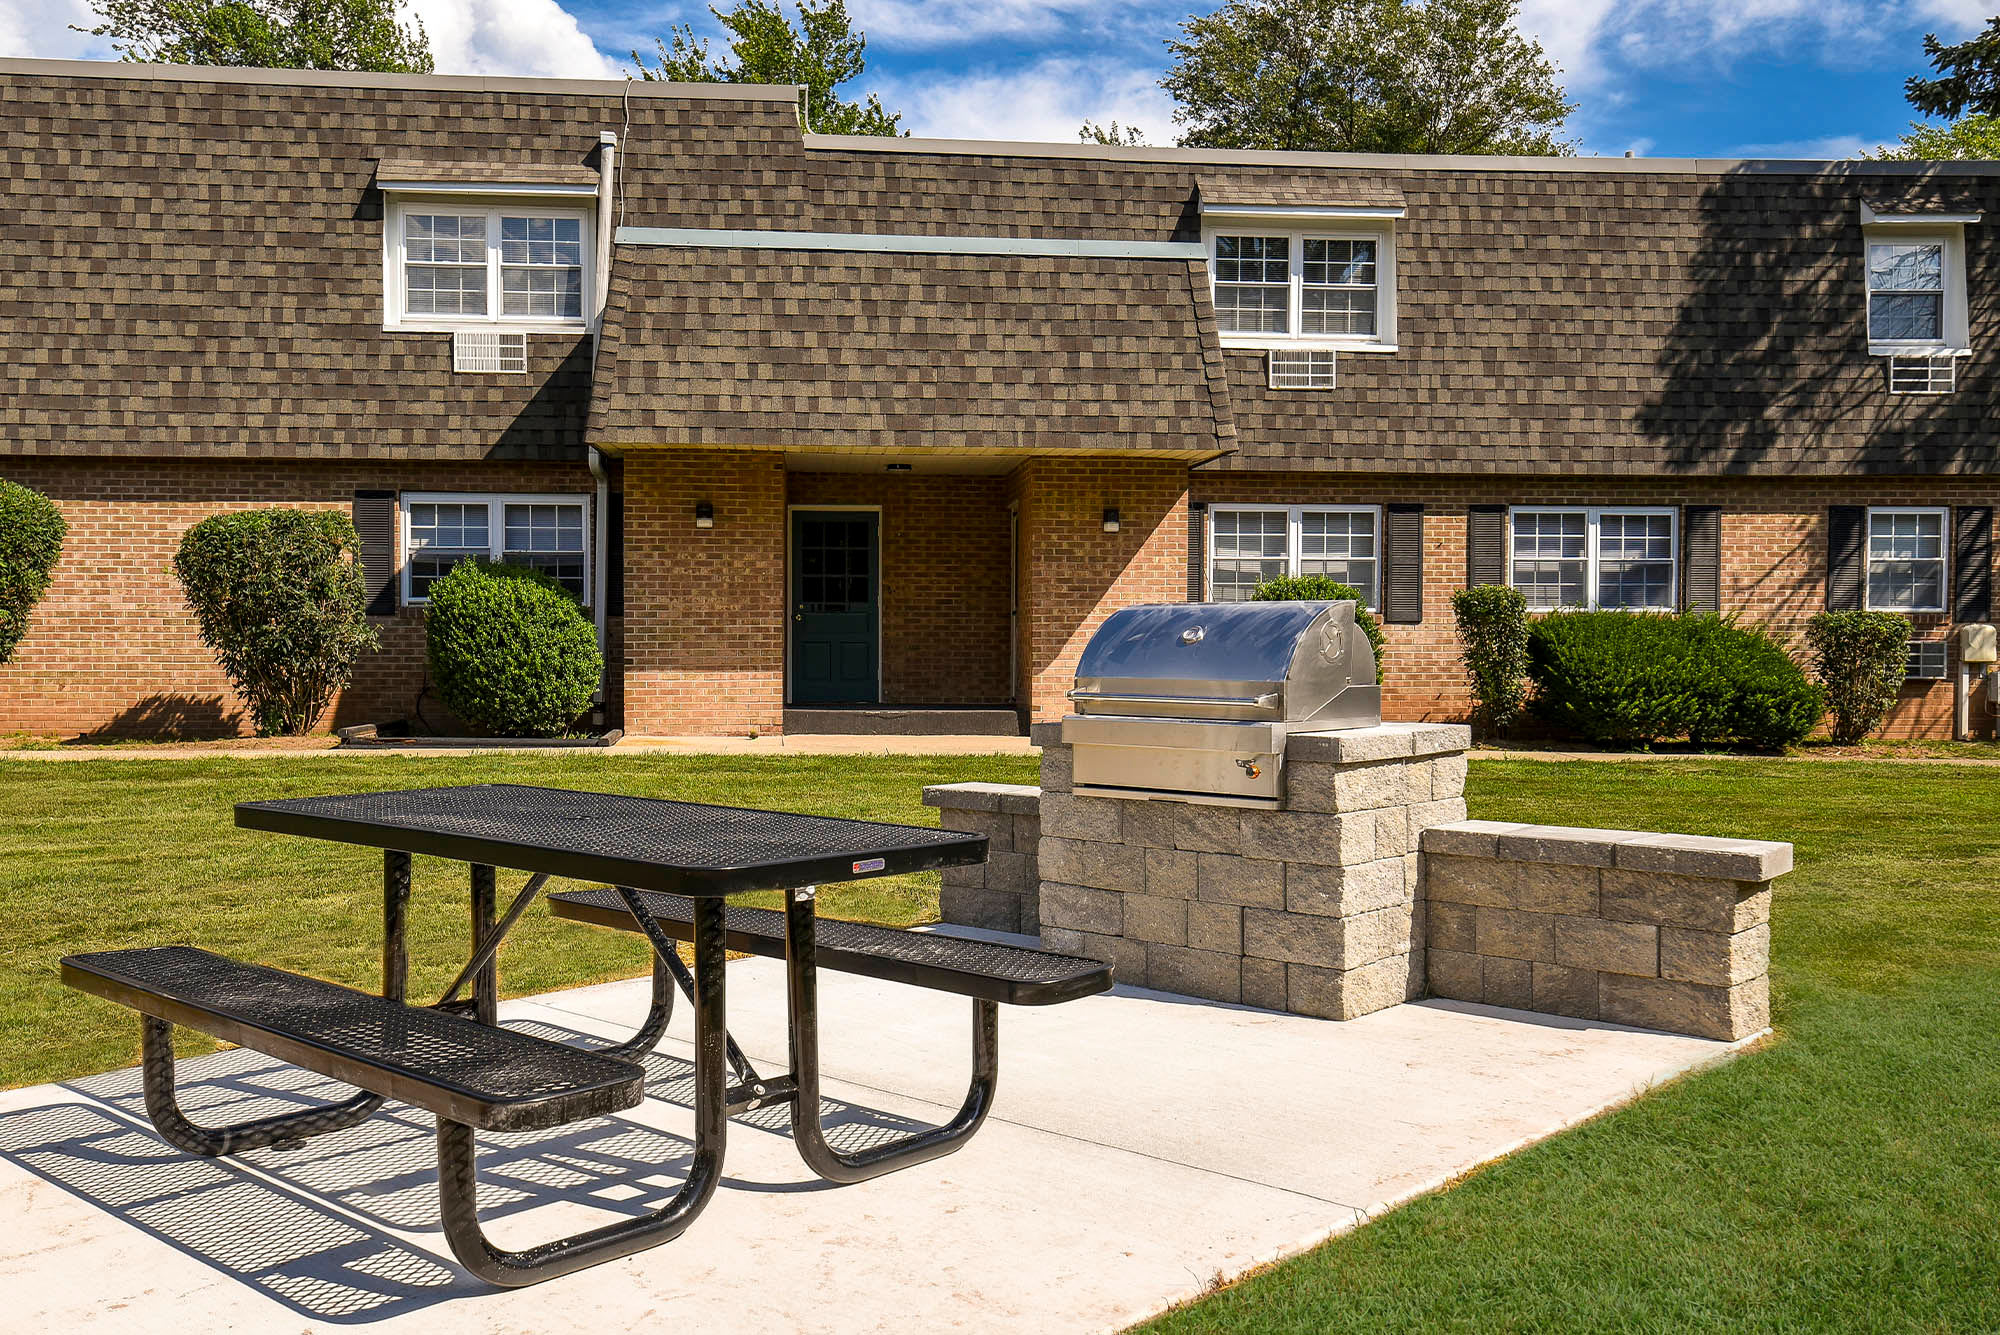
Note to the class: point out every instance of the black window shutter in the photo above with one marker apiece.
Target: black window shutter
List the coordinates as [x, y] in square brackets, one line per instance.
[1846, 567]
[1701, 558]
[1403, 564]
[1197, 550]
[614, 556]
[1972, 563]
[1485, 545]
[375, 521]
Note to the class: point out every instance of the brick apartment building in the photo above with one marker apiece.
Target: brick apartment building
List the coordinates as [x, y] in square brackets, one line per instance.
[811, 421]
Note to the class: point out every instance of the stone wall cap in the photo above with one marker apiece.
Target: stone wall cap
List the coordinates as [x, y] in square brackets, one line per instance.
[1634, 850]
[1015, 799]
[1384, 741]
[1045, 734]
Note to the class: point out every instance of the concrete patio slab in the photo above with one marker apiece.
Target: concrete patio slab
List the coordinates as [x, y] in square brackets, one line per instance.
[1142, 1146]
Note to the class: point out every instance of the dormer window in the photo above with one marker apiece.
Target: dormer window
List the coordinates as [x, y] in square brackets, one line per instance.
[1301, 264]
[1914, 266]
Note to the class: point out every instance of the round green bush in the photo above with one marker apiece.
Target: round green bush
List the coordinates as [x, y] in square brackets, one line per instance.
[510, 650]
[1862, 658]
[278, 595]
[1634, 678]
[1324, 589]
[31, 538]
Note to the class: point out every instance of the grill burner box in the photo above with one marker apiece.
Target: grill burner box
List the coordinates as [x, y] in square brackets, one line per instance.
[1193, 702]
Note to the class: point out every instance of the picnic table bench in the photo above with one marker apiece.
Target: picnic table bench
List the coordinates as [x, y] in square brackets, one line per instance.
[671, 866]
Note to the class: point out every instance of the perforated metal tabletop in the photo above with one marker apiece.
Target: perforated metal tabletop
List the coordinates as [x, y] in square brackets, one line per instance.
[688, 848]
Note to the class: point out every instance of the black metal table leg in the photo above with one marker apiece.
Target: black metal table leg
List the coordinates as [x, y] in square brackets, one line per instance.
[803, 998]
[458, 1189]
[157, 1053]
[485, 908]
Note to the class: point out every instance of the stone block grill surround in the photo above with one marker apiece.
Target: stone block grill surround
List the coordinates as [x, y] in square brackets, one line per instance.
[1368, 887]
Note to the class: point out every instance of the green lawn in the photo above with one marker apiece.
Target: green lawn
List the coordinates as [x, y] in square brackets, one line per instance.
[1845, 1178]
[97, 854]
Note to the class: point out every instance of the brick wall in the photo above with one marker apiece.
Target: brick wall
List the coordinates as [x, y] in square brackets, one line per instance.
[1773, 558]
[945, 566]
[1073, 574]
[704, 608]
[113, 651]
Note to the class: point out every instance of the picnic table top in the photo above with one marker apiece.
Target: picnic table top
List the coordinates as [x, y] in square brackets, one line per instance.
[649, 843]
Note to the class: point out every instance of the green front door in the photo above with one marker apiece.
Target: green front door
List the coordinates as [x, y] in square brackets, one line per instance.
[836, 599]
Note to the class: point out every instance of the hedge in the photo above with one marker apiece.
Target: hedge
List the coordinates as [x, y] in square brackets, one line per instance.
[1493, 628]
[1637, 678]
[278, 595]
[31, 538]
[1325, 588]
[511, 652]
[1862, 657]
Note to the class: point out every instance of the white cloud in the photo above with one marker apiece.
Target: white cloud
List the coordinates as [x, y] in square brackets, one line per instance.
[43, 28]
[1825, 147]
[520, 37]
[1043, 102]
[927, 24]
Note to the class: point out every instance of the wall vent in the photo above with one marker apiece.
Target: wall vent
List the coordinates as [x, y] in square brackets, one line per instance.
[1928, 374]
[486, 350]
[1926, 660]
[1301, 368]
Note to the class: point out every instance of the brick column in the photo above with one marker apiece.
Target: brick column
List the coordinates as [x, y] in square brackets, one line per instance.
[704, 608]
[1073, 574]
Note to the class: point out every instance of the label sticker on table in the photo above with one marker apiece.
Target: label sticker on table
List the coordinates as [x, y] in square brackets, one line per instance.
[870, 864]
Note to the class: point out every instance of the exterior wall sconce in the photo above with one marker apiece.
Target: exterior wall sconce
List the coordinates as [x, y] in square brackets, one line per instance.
[704, 515]
[1110, 519]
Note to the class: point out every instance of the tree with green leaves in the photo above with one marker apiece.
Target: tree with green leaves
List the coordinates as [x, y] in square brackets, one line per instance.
[1972, 138]
[274, 34]
[1123, 136]
[819, 53]
[1366, 76]
[1968, 76]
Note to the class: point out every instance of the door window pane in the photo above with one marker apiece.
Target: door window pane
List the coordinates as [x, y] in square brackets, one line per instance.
[1250, 547]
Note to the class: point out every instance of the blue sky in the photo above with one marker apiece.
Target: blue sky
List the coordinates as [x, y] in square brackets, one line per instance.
[1735, 78]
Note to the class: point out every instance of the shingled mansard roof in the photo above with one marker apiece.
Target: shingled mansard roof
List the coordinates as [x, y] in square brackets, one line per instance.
[718, 345]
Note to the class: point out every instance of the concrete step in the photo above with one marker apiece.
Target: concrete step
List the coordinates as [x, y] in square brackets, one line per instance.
[907, 722]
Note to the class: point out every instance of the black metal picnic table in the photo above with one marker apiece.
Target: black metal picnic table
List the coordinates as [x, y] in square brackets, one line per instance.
[638, 845]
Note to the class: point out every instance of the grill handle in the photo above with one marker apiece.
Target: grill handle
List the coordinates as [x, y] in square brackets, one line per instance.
[1124, 698]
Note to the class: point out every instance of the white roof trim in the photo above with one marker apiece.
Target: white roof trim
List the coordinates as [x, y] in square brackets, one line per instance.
[484, 189]
[1304, 210]
[128, 71]
[1870, 218]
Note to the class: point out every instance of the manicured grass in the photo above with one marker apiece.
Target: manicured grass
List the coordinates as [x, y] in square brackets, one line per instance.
[99, 854]
[1845, 1178]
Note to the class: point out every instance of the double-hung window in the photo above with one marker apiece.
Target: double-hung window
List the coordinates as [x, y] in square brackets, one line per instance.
[548, 533]
[1594, 557]
[1251, 544]
[1906, 292]
[1906, 559]
[1280, 289]
[454, 265]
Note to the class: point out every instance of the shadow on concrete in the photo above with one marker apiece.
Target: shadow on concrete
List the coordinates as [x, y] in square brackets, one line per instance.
[315, 1227]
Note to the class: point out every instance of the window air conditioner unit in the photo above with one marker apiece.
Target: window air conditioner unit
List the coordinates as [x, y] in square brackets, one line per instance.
[486, 350]
[1929, 373]
[1301, 368]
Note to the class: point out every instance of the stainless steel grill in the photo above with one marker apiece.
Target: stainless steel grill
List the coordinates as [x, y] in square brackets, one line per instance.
[1193, 701]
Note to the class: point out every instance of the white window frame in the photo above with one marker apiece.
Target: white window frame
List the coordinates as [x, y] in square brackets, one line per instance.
[395, 295]
[1592, 553]
[1954, 334]
[496, 527]
[1943, 514]
[1294, 536]
[1377, 230]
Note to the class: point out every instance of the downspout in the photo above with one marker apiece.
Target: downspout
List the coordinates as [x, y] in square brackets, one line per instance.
[607, 161]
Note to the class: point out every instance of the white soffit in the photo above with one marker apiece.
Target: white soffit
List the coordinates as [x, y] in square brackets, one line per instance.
[1870, 218]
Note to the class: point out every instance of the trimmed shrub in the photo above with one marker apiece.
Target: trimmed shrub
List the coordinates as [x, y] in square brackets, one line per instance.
[1635, 678]
[31, 538]
[278, 595]
[510, 650]
[1325, 589]
[1862, 658]
[1493, 627]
